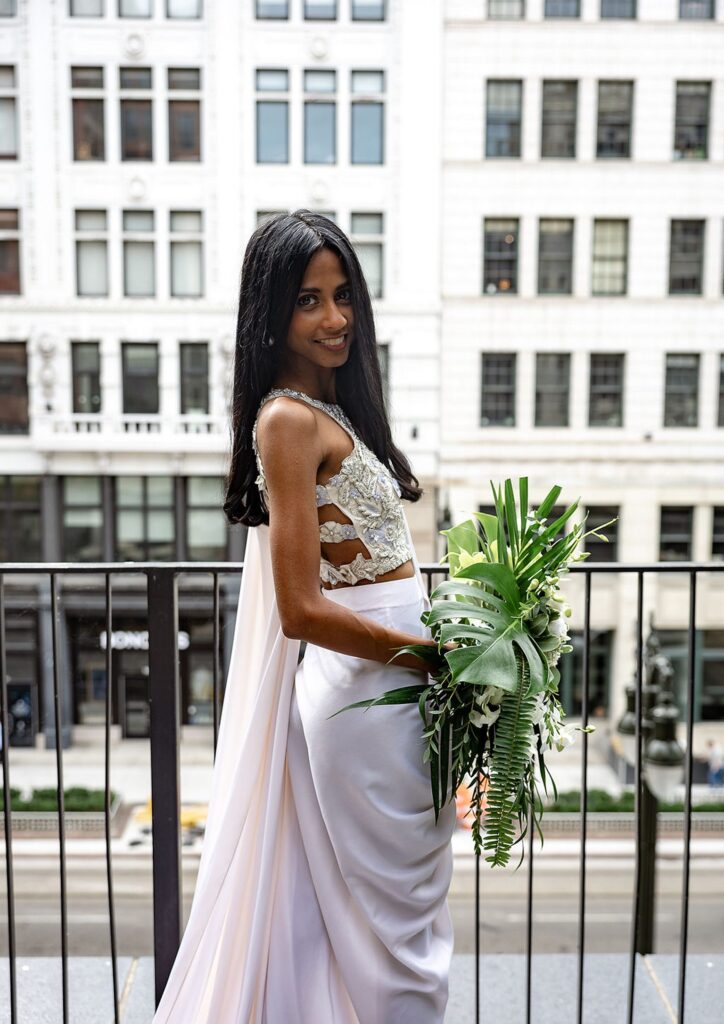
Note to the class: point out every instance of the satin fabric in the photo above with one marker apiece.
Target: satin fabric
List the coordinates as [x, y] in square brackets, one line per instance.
[321, 895]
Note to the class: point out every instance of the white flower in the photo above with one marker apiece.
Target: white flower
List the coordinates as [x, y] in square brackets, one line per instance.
[558, 627]
[486, 717]
[566, 737]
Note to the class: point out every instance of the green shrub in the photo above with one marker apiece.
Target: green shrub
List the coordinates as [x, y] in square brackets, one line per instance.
[600, 800]
[77, 798]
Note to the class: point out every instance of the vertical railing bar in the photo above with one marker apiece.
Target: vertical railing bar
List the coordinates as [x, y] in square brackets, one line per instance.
[107, 788]
[637, 791]
[57, 706]
[477, 938]
[529, 915]
[691, 681]
[584, 793]
[215, 662]
[7, 812]
[164, 702]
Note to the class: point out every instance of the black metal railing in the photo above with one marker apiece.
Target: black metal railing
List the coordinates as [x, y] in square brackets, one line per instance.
[162, 604]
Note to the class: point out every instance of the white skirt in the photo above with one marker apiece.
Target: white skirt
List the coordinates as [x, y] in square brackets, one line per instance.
[360, 931]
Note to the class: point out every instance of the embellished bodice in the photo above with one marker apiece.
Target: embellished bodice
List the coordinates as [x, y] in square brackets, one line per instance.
[366, 492]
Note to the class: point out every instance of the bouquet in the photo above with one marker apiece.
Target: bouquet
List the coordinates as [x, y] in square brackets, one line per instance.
[492, 710]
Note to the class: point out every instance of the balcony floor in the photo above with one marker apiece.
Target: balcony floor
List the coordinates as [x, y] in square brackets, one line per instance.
[502, 989]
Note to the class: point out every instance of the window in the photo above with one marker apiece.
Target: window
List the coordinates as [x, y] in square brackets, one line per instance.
[194, 364]
[562, 8]
[86, 8]
[367, 237]
[320, 10]
[184, 115]
[272, 118]
[501, 9]
[140, 377]
[20, 510]
[618, 8]
[552, 379]
[272, 8]
[183, 8]
[206, 527]
[615, 109]
[720, 417]
[692, 120]
[136, 114]
[320, 116]
[605, 390]
[262, 216]
[558, 130]
[696, 9]
[383, 353]
[717, 535]
[500, 257]
[601, 550]
[88, 113]
[681, 401]
[503, 118]
[145, 522]
[609, 273]
[186, 253]
[139, 260]
[86, 369]
[8, 114]
[497, 393]
[82, 519]
[91, 253]
[686, 257]
[9, 252]
[368, 117]
[368, 10]
[555, 256]
[675, 533]
[135, 8]
[13, 387]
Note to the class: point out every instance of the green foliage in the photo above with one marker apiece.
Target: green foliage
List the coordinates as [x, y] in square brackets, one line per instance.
[76, 798]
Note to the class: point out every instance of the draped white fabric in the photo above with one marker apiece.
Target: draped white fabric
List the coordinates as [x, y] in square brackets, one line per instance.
[321, 895]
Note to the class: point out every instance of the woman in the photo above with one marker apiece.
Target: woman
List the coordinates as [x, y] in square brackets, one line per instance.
[321, 893]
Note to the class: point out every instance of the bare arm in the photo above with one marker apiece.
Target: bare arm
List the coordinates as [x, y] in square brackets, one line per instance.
[291, 452]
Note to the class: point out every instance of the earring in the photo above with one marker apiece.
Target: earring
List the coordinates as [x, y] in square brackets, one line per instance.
[270, 341]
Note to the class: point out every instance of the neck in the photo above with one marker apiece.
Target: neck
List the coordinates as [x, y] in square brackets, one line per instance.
[322, 393]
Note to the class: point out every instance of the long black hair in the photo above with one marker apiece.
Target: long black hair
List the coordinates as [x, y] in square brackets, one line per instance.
[272, 272]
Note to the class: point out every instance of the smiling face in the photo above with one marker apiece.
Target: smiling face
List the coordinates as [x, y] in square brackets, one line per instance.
[322, 323]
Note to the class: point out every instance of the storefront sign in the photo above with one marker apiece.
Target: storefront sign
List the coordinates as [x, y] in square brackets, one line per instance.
[137, 640]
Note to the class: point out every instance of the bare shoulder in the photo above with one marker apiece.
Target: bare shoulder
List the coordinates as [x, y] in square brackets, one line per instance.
[287, 429]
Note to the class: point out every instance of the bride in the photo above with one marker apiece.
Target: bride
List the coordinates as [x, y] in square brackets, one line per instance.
[321, 896]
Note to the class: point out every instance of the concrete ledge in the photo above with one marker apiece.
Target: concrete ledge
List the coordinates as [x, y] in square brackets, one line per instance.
[502, 980]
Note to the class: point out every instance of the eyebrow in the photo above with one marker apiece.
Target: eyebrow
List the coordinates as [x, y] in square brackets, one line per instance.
[344, 284]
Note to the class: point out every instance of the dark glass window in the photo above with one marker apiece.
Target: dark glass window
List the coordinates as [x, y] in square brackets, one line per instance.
[618, 8]
[368, 118]
[717, 535]
[558, 130]
[9, 252]
[615, 112]
[184, 130]
[675, 533]
[206, 527]
[552, 387]
[13, 387]
[194, 377]
[88, 114]
[82, 519]
[503, 118]
[272, 8]
[20, 519]
[320, 10]
[696, 9]
[272, 118]
[503, 9]
[500, 257]
[681, 400]
[691, 128]
[497, 395]
[600, 663]
[8, 113]
[368, 10]
[610, 257]
[136, 116]
[555, 256]
[86, 367]
[601, 550]
[145, 522]
[140, 377]
[562, 8]
[605, 394]
[686, 257]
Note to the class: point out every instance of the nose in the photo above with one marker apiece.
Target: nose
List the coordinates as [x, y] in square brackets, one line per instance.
[333, 318]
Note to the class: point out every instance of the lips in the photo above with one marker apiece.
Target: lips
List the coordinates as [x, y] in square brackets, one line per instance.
[333, 344]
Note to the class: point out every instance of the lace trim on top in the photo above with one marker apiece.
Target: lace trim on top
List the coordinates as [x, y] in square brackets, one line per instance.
[366, 492]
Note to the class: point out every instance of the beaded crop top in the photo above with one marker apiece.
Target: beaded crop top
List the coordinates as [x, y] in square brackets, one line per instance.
[366, 492]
